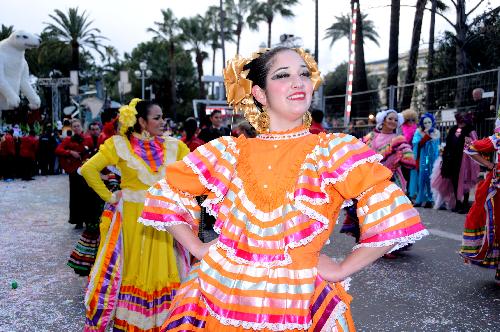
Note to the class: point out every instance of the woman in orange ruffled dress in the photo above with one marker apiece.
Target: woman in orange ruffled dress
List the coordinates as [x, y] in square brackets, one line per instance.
[276, 198]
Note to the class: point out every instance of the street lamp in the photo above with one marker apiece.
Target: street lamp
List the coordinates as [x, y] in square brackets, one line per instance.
[143, 73]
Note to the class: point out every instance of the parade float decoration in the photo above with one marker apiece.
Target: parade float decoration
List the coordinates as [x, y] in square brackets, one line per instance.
[14, 72]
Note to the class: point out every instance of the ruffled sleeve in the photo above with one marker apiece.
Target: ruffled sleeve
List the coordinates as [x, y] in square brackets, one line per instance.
[485, 145]
[205, 171]
[386, 216]
[404, 152]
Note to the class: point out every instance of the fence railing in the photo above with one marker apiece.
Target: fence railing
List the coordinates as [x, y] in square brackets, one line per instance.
[482, 129]
[438, 94]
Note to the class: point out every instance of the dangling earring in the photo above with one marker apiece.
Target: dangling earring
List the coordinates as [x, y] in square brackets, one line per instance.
[307, 119]
[263, 121]
[145, 135]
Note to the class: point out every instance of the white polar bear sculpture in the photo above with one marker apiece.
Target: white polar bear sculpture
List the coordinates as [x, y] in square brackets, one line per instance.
[14, 73]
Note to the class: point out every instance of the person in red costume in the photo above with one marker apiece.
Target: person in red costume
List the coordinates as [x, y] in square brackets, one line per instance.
[27, 152]
[317, 119]
[7, 156]
[481, 236]
[72, 151]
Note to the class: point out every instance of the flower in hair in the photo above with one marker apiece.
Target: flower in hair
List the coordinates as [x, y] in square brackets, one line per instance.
[312, 66]
[127, 117]
[238, 87]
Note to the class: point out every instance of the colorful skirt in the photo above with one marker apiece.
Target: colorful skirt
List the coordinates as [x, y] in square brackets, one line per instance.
[481, 237]
[135, 275]
[83, 256]
[192, 311]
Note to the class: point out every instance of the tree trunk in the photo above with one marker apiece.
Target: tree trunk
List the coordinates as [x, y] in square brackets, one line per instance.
[429, 96]
[461, 55]
[269, 24]
[173, 75]
[238, 36]
[316, 54]
[411, 72]
[392, 65]
[361, 103]
[222, 37]
[75, 55]
[199, 65]
[214, 50]
[237, 32]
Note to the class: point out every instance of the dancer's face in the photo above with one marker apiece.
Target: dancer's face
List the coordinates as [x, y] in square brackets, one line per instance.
[76, 128]
[289, 89]
[427, 123]
[154, 123]
[391, 122]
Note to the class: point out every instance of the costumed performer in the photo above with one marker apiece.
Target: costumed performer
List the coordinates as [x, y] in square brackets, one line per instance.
[426, 142]
[276, 198]
[481, 237]
[456, 167]
[137, 269]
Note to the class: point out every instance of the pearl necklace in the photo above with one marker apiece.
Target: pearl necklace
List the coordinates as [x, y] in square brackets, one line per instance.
[286, 136]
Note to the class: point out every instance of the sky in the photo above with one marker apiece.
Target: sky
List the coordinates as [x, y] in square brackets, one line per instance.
[125, 23]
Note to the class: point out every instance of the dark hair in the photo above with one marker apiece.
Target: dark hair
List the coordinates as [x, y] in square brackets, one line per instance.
[190, 126]
[95, 123]
[317, 116]
[142, 109]
[66, 122]
[247, 130]
[463, 117]
[215, 112]
[259, 68]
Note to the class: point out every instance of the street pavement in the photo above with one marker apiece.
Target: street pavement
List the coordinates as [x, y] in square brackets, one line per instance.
[428, 289]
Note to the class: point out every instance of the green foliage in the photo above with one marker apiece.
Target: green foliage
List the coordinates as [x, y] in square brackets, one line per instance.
[6, 31]
[52, 54]
[154, 53]
[335, 85]
[482, 47]
[239, 14]
[195, 36]
[75, 29]
[168, 29]
[266, 10]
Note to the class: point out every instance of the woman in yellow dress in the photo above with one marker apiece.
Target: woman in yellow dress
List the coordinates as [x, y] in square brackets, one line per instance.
[138, 269]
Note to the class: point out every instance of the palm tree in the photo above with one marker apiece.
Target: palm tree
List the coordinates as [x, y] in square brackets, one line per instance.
[237, 11]
[265, 11]
[365, 28]
[110, 54]
[212, 16]
[195, 35]
[168, 31]
[342, 29]
[6, 31]
[411, 72]
[75, 29]
[392, 62]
